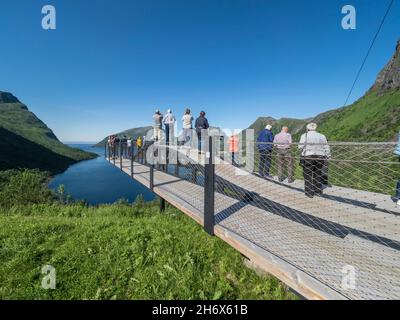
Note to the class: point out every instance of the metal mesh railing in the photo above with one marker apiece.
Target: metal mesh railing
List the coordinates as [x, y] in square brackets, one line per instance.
[323, 213]
[331, 214]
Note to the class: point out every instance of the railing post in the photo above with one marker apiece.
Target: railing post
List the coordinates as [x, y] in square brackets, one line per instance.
[177, 167]
[162, 205]
[209, 189]
[114, 152]
[167, 158]
[132, 151]
[152, 177]
[194, 174]
[120, 154]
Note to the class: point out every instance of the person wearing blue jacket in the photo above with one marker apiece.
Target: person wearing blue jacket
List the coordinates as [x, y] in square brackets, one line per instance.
[397, 152]
[265, 146]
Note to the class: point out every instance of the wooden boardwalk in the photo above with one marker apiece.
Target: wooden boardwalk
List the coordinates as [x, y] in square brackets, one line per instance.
[306, 243]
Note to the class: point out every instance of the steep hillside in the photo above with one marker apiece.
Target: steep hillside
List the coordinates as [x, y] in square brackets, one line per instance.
[26, 142]
[374, 117]
[389, 78]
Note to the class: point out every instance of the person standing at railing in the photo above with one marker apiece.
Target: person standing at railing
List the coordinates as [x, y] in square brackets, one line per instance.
[124, 142]
[139, 142]
[129, 146]
[265, 146]
[397, 152]
[187, 124]
[233, 143]
[283, 142]
[314, 152]
[169, 123]
[109, 146]
[116, 146]
[201, 124]
[158, 118]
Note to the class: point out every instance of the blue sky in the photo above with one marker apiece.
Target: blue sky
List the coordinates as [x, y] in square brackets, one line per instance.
[109, 64]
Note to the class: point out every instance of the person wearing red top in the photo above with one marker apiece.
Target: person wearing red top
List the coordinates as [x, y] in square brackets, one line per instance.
[233, 143]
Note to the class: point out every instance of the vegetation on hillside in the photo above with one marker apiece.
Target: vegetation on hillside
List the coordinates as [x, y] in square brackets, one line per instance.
[18, 152]
[118, 251]
[24, 187]
[26, 142]
[372, 118]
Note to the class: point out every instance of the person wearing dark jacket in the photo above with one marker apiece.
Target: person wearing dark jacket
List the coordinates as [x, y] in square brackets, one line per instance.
[201, 124]
[265, 146]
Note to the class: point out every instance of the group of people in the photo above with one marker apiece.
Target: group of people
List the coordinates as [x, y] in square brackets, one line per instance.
[314, 149]
[123, 145]
[315, 152]
[168, 121]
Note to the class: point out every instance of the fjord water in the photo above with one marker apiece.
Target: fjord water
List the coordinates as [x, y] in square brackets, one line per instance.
[97, 181]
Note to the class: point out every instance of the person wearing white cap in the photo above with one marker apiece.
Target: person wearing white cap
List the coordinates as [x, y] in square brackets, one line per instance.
[169, 123]
[187, 124]
[265, 146]
[314, 153]
[157, 117]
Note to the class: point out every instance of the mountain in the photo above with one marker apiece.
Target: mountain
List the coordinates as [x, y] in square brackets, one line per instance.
[389, 78]
[295, 125]
[374, 117]
[26, 142]
[134, 133]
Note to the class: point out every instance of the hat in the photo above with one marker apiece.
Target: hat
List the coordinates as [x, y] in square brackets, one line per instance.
[157, 111]
[268, 127]
[169, 110]
[312, 126]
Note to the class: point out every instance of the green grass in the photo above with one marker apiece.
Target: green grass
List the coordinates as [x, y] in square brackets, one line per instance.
[24, 187]
[117, 251]
[121, 252]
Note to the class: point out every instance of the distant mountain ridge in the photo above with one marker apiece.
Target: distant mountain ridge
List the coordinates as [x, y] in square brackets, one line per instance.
[133, 133]
[27, 142]
[374, 117]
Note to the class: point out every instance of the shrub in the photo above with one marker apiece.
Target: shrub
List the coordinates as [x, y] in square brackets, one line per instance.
[22, 187]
